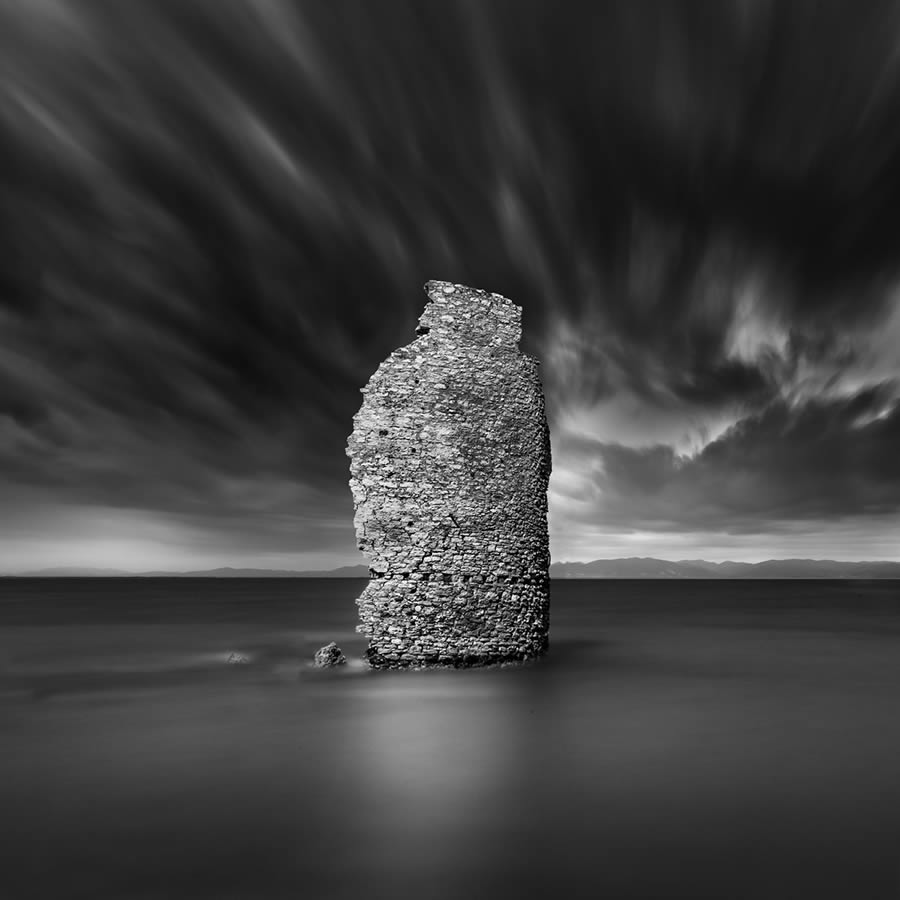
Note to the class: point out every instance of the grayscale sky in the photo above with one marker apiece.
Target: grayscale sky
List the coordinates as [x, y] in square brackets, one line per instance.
[219, 217]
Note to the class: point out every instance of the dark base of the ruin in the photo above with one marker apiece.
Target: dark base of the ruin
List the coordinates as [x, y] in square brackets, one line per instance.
[449, 661]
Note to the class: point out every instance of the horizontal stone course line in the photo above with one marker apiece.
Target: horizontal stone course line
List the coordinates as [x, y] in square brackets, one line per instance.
[452, 578]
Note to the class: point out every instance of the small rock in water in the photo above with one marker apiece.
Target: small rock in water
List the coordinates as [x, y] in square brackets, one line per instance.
[237, 658]
[329, 655]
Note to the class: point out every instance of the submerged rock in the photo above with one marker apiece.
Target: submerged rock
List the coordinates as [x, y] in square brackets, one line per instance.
[237, 659]
[329, 655]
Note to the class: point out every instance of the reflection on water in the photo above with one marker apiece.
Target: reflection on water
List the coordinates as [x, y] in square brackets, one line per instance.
[715, 739]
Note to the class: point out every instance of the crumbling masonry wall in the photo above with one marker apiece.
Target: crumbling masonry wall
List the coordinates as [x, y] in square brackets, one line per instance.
[450, 459]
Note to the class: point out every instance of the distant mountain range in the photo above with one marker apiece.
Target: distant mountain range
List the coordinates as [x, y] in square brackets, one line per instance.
[634, 567]
[647, 567]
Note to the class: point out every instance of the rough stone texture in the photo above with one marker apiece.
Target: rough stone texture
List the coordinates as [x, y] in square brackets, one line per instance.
[329, 655]
[450, 459]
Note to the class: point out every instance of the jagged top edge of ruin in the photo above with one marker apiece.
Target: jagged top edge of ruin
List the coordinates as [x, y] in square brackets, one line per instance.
[437, 290]
[446, 298]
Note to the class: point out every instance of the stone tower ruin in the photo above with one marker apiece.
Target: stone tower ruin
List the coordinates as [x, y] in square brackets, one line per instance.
[450, 459]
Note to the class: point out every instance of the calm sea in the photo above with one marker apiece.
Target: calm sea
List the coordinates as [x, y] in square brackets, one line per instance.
[706, 739]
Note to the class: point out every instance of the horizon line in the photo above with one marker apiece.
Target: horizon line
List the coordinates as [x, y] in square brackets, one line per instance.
[113, 571]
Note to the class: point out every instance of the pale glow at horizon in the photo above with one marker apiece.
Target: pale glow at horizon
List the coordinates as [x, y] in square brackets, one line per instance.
[850, 545]
[139, 542]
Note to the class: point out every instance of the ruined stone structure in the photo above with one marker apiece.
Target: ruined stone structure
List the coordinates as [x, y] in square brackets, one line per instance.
[450, 458]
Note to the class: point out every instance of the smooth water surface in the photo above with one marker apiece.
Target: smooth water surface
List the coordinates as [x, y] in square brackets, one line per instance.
[704, 739]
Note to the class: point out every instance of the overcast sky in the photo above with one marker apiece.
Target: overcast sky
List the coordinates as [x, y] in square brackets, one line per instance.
[219, 215]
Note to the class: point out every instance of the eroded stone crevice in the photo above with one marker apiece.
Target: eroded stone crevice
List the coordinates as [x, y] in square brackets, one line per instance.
[450, 459]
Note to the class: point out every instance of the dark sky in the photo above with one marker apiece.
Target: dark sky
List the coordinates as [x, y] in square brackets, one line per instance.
[219, 215]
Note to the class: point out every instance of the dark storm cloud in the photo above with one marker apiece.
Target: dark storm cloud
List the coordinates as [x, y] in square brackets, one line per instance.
[220, 215]
[826, 461]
